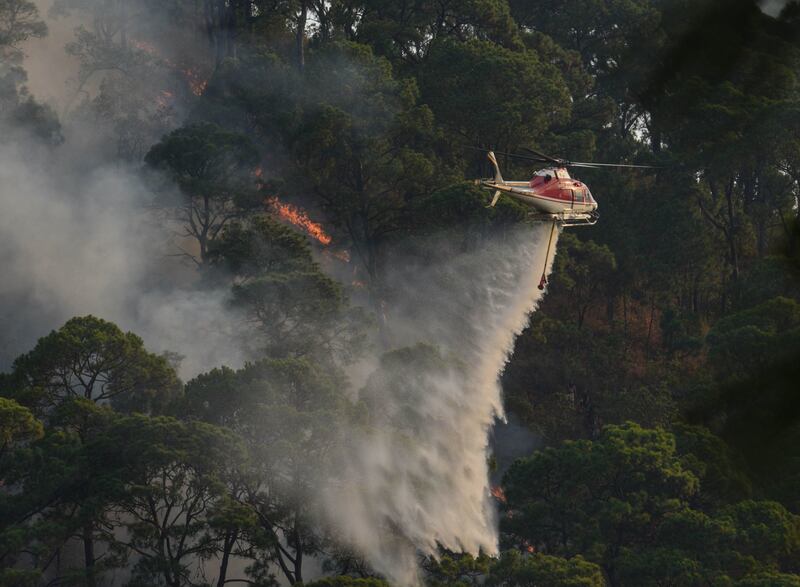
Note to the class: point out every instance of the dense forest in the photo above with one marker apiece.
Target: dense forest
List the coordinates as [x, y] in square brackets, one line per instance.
[289, 163]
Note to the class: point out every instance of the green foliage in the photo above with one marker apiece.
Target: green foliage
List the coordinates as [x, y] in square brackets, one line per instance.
[363, 149]
[283, 411]
[461, 210]
[721, 471]
[406, 33]
[514, 569]
[20, 113]
[746, 343]
[17, 424]
[584, 270]
[299, 311]
[212, 168]
[625, 502]
[582, 496]
[567, 382]
[456, 569]
[202, 157]
[490, 95]
[177, 489]
[19, 21]
[93, 359]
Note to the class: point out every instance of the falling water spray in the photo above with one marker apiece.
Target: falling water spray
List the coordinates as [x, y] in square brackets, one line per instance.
[418, 479]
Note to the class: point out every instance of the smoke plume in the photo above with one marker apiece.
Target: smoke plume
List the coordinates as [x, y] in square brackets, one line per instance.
[418, 477]
[76, 240]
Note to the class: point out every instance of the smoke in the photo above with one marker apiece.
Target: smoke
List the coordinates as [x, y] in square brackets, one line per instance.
[51, 70]
[418, 478]
[79, 239]
[78, 234]
[772, 7]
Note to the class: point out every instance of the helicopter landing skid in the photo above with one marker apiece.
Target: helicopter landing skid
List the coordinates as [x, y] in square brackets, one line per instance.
[567, 218]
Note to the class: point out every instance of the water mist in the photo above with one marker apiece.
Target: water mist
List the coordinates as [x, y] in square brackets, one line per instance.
[418, 477]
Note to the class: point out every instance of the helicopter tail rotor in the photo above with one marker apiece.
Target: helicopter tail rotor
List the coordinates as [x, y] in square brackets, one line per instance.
[498, 177]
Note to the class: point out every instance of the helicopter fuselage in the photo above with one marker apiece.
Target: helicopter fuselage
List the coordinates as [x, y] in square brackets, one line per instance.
[552, 194]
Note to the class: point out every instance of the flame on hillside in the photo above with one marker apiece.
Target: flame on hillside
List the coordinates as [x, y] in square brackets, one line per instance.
[164, 99]
[499, 494]
[298, 218]
[196, 82]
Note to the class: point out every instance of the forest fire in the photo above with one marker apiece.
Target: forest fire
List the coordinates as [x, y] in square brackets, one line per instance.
[499, 494]
[299, 218]
[164, 99]
[196, 82]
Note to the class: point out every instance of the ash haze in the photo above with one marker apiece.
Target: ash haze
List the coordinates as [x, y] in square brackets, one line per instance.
[80, 235]
[81, 240]
[51, 70]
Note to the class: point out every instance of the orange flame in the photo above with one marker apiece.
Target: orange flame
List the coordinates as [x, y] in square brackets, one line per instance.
[299, 218]
[164, 99]
[197, 84]
[499, 494]
[145, 47]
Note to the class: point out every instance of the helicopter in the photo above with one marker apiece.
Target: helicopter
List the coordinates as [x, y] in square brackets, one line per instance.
[553, 195]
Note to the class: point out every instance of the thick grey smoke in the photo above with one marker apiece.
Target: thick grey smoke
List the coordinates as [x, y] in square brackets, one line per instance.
[79, 239]
[78, 235]
[419, 477]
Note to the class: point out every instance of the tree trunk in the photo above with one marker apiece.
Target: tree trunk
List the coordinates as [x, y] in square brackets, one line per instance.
[650, 322]
[230, 540]
[300, 35]
[123, 31]
[298, 556]
[88, 554]
[732, 230]
[220, 24]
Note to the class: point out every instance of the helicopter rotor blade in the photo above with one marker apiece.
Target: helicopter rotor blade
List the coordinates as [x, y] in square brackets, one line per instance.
[513, 155]
[588, 164]
[601, 165]
[544, 157]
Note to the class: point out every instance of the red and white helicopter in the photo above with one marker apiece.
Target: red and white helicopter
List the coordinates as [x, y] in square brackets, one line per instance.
[552, 193]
